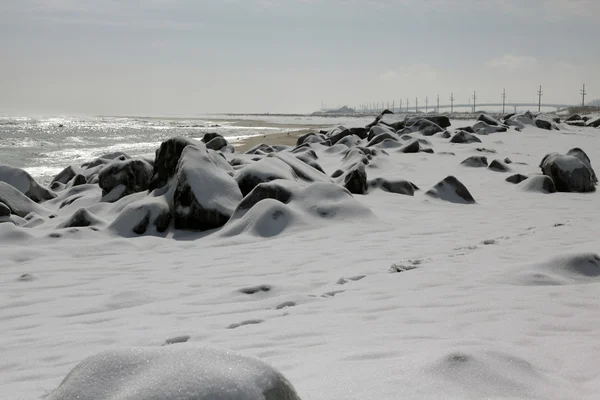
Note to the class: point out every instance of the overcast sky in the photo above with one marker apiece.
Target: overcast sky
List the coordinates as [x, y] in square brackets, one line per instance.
[157, 57]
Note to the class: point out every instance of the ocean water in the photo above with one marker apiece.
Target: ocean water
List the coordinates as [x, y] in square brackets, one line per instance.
[44, 146]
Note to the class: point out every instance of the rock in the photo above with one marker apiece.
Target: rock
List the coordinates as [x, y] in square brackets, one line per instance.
[378, 130]
[580, 123]
[278, 190]
[468, 129]
[177, 372]
[439, 120]
[425, 126]
[135, 175]
[508, 116]
[580, 154]
[484, 150]
[507, 161]
[80, 219]
[336, 134]
[569, 173]
[498, 166]
[266, 170]
[475, 161]
[18, 203]
[538, 183]
[66, 175]
[524, 119]
[516, 178]
[514, 123]
[301, 169]
[360, 132]
[150, 215]
[452, 190]
[210, 136]
[24, 183]
[78, 180]
[464, 137]
[381, 137]
[445, 135]
[355, 180]
[302, 139]
[399, 186]
[378, 118]
[483, 128]
[105, 159]
[543, 124]
[205, 194]
[413, 146]
[488, 120]
[217, 143]
[261, 149]
[574, 117]
[4, 210]
[165, 162]
[594, 123]
[349, 141]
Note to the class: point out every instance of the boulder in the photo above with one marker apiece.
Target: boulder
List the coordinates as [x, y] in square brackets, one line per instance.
[568, 172]
[439, 120]
[210, 136]
[4, 210]
[381, 137]
[301, 169]
[464, 137]
[177, 372]
[488, 120]
[516, 178]
[413, 146]
[483, 128]
[80, 219]
[360, 132]
[475, 162]
[205, 194]
[264, 170]
[18, 203]
[148, 216]
[378, 130]
[336, 134]
[217, 143]
[23, 182]
[498, 166]
[452, 190]
[399, 186]
[538, 183]
[66, 175]
[105, 159]
[574, 117]
[166, 160]
[580, 154]
[134, 175]
[355, 180]
[543, 124]
[593, 122]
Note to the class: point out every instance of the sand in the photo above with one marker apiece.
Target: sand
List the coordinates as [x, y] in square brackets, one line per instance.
[283, 138]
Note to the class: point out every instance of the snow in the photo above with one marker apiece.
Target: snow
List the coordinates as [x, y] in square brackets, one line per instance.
[394, 297]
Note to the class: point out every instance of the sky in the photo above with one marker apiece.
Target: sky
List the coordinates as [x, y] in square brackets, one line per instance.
[188, 57]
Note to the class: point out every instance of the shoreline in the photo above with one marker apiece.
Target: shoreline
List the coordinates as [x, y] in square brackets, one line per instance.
[282, 138]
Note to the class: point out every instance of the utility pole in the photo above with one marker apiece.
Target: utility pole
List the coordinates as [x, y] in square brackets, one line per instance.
[583, 93]
[400, 108]
[416, 104]
[393, 105]
[474, 100]
[407, 104]
[438, 104]
[540, 99]
[503, 100]
[426, 104]
[451, 103]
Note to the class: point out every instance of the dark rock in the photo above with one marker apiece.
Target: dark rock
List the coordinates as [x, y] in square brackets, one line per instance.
[217, 143]
[569, 173]
[498, 166]
[414, 146]
[360, 132]
[165, 162]
[378, 130]
[507, 161]
[425, 126]
[4, 210]
[210, 136]
[399, 186]
[17, 202]
[302, 139]
[438, 120]
[445, 135]
[355, 180]
[349, 141]
[105, 159]
[516, 178]
[475, 161]
[66, 175]
[381, 137]
[508, 116]
[270, 190]
[574, 117]
[78, 180]
[464, 137]
[468, 129]
[265, 170]
[594, 123]
[336, 134]
[488, 120]
[135, 175]
[452, 190]
[337, 173]
[543, 124]
[580, 154]
[261, 149]
[484, 150]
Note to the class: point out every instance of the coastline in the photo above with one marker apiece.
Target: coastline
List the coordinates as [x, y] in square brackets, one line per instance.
[282, 138]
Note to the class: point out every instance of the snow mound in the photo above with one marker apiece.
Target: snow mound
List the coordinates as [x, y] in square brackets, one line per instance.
[282, 205]
[563, 270]
[177, 372]
[489, 374]
[18, 203]
[150, 215]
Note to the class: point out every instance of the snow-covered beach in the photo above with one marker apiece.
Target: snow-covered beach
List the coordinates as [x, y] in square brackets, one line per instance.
[406, 288]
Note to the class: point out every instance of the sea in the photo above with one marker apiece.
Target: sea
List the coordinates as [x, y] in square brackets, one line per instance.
[44, 146]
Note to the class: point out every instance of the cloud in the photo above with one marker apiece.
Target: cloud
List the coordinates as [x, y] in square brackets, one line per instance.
[510, 62]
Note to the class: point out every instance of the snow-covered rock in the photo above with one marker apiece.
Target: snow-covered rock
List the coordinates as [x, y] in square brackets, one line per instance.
[150, 215]
[134, 175]
[264, 170]
[23, 182]
[452, 190]
[205, 194]
[475, 162]
[167, 157]
[398, 186]
[464, 137]
[18, 203]
[569, 173]
[177, 372]
[537, 183]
